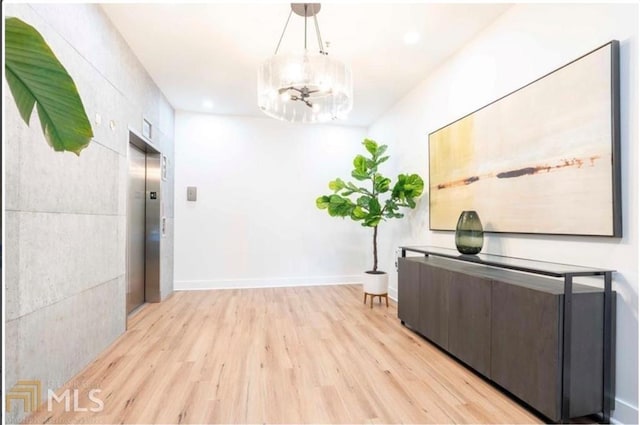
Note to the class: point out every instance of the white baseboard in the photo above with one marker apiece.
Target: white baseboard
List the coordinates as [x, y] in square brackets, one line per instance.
[624, 413]
[393, 294]
[196, 285]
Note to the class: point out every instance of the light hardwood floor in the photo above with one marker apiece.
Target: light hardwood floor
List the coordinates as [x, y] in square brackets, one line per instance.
[279, 355]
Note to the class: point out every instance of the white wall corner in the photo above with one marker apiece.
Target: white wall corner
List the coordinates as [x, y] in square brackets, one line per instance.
[393, 294]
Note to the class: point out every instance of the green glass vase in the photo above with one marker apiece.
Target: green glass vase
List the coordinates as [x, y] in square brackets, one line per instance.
[469, 233]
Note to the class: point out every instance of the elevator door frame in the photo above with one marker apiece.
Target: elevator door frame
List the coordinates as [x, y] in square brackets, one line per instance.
[152, 220]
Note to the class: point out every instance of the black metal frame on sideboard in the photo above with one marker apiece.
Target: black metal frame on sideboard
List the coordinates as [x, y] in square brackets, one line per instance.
[571, 271]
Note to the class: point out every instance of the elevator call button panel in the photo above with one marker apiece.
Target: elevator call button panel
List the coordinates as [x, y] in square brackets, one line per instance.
[192, 193]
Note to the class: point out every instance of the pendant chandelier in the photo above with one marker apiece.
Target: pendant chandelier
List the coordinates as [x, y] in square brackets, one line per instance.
[305, 87]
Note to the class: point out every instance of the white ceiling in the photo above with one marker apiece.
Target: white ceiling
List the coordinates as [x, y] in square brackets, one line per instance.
[199, 52]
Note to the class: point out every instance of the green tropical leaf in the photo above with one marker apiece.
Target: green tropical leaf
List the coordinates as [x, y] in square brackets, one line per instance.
[360, 163]
[383, 159]
[374, 206]
[363, 201]
[381, 183]
[408, 187]
[335, 210]
[336, 185]
[371, 146]
[392, 214]
[339, 206]
[398, 188]
[370, 164]
[336, 199]
[414, 186]
[36, 77]
[391, 205]
[381, 149]
[372, 221]
[23, 98]
[322, 202]
[358, 213]
[359, 175]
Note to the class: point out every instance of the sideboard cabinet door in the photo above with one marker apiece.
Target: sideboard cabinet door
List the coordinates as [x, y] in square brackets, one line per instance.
[525, 345]
[470, 321]
[408, 291]
[433, 317]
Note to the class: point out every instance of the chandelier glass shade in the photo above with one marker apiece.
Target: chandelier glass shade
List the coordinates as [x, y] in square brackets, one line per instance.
[305, 87]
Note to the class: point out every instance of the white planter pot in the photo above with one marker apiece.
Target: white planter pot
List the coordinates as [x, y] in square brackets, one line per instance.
[375, 283]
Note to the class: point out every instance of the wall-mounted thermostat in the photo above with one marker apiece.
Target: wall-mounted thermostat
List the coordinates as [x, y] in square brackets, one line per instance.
[192, 193]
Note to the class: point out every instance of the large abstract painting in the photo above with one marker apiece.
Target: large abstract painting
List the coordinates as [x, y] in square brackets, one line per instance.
[543, 159]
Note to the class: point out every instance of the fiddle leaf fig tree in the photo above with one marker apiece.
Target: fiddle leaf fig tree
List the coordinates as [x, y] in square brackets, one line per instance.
[378, 199]
[37, 78]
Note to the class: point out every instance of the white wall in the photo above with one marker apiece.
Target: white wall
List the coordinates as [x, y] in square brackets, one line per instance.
[255, 222]
[528, 41]
[65, 228]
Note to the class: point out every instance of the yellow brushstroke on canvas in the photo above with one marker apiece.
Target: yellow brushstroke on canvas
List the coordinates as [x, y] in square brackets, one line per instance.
[451, 157]
[451, 151]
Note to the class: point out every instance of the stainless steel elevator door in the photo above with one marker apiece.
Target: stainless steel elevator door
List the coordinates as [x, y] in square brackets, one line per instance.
[136, 229]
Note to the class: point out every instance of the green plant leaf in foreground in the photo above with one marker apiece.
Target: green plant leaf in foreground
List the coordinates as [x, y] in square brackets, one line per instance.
[36, 77]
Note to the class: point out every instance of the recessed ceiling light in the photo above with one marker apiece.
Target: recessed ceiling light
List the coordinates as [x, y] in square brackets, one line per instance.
[207, 104]
[412, 37]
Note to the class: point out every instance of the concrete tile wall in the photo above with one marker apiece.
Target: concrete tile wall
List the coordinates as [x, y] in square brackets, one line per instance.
[65, 240]
[61, 255]
[48, 343]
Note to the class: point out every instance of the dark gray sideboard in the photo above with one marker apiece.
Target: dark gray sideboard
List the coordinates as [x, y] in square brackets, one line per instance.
[509, 326]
